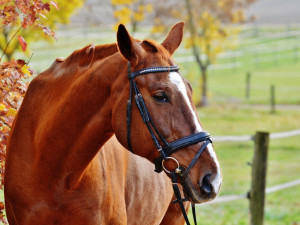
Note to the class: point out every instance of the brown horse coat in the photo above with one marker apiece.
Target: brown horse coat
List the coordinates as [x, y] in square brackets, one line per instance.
[54, 173]
[126, 192]
[147, 194]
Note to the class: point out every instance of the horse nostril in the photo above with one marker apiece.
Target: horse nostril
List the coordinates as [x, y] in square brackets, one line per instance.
[206, 185]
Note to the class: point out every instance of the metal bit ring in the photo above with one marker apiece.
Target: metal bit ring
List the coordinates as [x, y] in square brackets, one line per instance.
[177, 170]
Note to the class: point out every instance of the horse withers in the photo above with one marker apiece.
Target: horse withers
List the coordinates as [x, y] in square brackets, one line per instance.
[53, 175]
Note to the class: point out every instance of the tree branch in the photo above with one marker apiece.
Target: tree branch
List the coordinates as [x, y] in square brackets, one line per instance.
[193, 33]
[9, 42]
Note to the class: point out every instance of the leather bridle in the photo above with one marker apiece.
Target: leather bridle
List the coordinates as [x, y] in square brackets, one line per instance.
[167, 149]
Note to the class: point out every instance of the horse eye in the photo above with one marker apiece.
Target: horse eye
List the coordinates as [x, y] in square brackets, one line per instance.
[161, 97]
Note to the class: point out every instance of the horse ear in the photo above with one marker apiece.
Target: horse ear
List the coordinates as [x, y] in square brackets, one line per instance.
[174, 38]
[128, 47]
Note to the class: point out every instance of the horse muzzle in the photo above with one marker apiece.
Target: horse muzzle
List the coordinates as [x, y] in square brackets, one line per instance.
[203, 191]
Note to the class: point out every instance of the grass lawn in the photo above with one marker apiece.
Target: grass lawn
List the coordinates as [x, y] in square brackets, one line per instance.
[230, 85]
[283, 164]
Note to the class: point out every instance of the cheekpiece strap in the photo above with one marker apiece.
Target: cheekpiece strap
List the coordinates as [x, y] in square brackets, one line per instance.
[142, 106]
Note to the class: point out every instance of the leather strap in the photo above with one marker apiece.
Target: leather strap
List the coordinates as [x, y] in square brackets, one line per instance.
[129, 105]
[182, 143]
[179, 200]
[196, 157]
[187, 141]
[160, 69]
[194, 213]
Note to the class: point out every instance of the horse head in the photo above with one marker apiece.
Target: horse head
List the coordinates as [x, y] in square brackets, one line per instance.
[167, 104]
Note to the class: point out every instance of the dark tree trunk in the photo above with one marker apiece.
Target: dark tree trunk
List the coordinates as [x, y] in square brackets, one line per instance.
[204, 101]
[202, 65]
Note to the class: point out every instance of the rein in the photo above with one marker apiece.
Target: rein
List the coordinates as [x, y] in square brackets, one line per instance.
[168, 148]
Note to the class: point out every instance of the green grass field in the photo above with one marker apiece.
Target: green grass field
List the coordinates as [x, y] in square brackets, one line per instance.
[229, 113]
[283, 164]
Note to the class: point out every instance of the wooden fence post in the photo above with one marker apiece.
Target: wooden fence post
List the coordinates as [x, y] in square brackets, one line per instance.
[259, 170]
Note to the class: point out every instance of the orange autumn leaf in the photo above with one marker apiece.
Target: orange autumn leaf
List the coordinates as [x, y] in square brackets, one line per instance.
[23, 43]
[54, 4]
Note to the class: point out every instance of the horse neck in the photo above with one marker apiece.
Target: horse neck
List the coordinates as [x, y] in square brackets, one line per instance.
[75, 117]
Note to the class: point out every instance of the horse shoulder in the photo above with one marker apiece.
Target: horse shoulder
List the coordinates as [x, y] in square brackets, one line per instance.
[148, 194]
[108, 175]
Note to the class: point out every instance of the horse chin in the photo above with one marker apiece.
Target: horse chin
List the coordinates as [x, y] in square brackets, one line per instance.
[194, 194]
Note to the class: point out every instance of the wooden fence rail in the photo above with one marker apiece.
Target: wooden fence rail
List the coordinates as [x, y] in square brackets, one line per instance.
[229, 198]
[241, 138]
[258, 190]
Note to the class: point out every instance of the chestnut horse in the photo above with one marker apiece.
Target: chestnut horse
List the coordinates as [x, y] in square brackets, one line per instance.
[53, 172]
[152, 191]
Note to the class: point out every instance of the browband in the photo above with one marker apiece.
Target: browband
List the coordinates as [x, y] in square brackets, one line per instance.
[153, 70]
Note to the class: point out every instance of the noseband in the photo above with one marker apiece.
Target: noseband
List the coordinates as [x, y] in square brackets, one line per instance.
[168, 148]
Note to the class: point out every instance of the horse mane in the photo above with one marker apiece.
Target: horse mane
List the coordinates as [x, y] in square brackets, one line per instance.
[82, 58]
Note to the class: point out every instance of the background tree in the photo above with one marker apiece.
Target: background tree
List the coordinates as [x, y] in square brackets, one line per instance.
[130, 12]
[49, 23]
[210, 26]
[210, 31]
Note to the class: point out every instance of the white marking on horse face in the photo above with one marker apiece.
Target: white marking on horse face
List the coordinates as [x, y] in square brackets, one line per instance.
[176, 79]
[217, 180]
